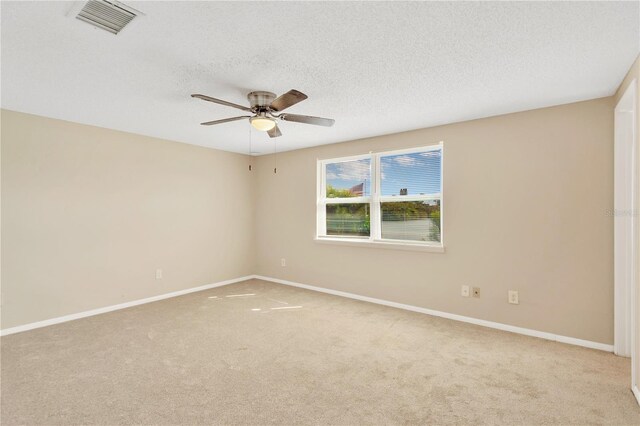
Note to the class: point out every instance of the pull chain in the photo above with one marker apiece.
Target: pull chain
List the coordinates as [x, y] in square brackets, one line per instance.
[250, 155]
[275, 155]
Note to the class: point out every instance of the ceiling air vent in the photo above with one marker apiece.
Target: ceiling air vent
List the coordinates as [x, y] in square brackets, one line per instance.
[112, 17]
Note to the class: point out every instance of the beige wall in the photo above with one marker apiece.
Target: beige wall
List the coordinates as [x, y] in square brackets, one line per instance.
[526, 200]
[634, 73]
[88, 214]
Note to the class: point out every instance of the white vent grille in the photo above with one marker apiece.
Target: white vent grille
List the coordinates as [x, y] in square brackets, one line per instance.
[105, 15]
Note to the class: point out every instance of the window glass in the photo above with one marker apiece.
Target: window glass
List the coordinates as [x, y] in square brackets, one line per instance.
[411, 220]
[348, 179]
[406, 205]
[411, 174]
[349, 219]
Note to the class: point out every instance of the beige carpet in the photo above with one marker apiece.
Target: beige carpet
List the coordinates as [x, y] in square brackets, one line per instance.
[209, 358]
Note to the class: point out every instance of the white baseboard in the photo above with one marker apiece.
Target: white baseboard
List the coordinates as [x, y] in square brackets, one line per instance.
[636, 392]
[484, 323]
[98, 311]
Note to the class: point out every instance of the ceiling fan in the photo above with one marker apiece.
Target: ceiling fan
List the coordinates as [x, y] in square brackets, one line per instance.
[266, 109]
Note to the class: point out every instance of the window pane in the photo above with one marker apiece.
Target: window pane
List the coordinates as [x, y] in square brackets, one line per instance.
[411, 220]
[348, 219]
[411, 174]
[349, 179]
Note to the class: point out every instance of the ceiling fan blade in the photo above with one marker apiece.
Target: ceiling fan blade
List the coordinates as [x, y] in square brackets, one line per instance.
[224, 120]
[221, 102]
[275, 132]
[318, 121]
[286, 100]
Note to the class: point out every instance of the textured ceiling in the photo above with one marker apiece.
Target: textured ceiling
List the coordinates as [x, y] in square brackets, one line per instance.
[376, 68]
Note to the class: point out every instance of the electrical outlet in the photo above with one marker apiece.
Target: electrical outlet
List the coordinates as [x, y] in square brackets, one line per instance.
[465, 291]
[158, 274]
[283, 262]
[513, 297]
[476, 291]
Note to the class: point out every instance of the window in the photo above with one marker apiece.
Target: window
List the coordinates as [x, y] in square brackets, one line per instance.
[388, 198]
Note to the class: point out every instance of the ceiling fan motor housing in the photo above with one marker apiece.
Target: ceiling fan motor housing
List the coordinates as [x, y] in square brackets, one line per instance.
[260, 100]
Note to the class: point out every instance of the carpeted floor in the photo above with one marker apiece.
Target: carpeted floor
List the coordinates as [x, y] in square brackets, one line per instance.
[262, 353]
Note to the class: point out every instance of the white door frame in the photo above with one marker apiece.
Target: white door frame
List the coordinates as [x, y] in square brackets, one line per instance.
[625, 215]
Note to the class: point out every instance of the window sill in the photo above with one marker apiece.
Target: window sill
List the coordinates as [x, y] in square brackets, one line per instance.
[381, 244]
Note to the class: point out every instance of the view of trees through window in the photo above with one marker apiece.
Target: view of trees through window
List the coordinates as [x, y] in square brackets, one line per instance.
[408, 198]
[348, 219]
[411, 220]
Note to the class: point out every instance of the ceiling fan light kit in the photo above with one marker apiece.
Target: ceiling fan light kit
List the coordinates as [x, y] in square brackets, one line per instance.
[265, 107]
[263, 124]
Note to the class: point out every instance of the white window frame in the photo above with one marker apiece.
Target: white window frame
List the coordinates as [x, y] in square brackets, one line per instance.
[374, 200]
